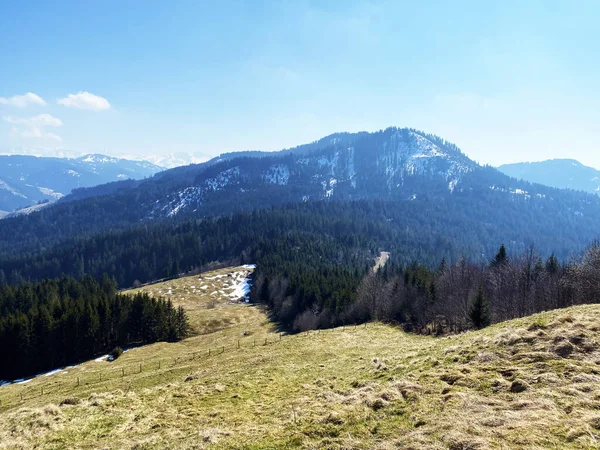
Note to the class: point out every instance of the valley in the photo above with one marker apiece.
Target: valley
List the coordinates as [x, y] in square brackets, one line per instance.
[239, 383]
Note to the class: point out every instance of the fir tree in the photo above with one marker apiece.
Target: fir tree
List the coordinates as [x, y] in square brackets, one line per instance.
[501, 258]
[479, 313]
[552, 264]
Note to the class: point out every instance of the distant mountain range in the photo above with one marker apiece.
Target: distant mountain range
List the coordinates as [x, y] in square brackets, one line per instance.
[449, 192]
[559, 173]
[26, 181]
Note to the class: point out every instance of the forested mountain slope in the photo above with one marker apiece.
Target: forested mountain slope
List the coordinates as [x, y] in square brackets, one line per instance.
[400, 165]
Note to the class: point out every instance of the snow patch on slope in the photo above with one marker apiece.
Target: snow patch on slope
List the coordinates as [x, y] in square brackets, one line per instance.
[223, 179]
[277, 174]
[185, 198]
[6, 187]
[50, 192]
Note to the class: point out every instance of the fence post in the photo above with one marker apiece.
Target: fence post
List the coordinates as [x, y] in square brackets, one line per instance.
[140, 367]
[42, 390]
[159, 365]
[209, 351]
[238, 343]
[223, 351]
[21, 396]
[77, 381]
[122, 372]
[265, 341]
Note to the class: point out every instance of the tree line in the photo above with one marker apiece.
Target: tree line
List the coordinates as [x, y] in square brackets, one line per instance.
[459, 296]
[56, 322]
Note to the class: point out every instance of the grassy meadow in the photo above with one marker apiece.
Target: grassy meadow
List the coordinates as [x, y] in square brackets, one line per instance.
[529, 383]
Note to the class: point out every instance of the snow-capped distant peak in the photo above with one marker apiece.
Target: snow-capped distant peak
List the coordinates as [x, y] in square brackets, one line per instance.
[96, 158]
[172, 160]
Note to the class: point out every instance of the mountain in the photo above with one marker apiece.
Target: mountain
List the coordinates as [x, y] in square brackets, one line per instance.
[171, 160]
[559, 173]
[28, 180]
[449, 192]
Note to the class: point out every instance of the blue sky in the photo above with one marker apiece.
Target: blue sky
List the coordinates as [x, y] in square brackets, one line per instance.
[506, 81]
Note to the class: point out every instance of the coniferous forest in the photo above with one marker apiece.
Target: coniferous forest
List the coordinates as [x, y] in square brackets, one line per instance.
[57, 322]
[314, 270]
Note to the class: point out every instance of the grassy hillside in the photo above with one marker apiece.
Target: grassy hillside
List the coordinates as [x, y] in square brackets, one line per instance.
[528, 383]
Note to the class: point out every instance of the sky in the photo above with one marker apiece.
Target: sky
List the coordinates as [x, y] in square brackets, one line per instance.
[506, 81]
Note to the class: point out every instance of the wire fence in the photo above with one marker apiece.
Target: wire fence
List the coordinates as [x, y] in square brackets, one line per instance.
[147, 367]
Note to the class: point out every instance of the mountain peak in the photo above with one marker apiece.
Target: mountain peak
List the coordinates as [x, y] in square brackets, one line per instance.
[560, 173]
[97, 158]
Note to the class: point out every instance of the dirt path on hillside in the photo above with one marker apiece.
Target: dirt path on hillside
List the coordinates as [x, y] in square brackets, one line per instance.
[381, 260]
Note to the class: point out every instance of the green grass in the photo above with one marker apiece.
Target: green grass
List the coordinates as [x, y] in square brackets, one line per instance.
[353, 387]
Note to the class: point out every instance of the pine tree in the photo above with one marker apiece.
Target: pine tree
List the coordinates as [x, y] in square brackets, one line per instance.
[552, 264]
[182, 323]
[442, 266]
[501, 258]
[479, 313]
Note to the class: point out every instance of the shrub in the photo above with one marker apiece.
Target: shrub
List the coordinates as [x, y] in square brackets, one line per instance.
[117, 351]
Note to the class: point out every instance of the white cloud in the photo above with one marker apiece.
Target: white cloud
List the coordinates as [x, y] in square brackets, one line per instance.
[34, 126]
[22, 101]
[85, 100]
[41, 120]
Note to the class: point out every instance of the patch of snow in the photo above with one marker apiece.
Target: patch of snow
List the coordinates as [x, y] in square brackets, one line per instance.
[185, 197]
[242, 290]
[419, 156]
[73, 173]
[223, 179]
[6, 187]
[50, 192]
[101, 359]
[351, 169]
[277, 174]
[98, 159]
[249, 266]
[122, 176]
